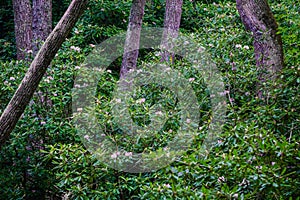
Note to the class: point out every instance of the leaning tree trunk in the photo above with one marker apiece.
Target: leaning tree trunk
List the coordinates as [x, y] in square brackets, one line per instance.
[23, 27]
[258, 18]
[41, 22]
[171, 28]
[38, 67]
[132, 43]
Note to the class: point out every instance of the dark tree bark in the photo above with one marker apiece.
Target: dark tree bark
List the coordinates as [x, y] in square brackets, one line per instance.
[41, 22]
[171, 26]
[23, 27]
[41, 28]
[132, 42]
[257, 17]
[38, 67]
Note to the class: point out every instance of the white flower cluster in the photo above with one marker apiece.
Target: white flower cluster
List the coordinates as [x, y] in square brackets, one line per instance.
[75, 48]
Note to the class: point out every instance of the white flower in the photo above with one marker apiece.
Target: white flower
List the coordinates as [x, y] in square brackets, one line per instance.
[109, 71]
[128, 154]
[86, 137]
[167, 69]
[273, 163]
[118, 100]
[221, 179]
[79, 109]
[188, 121]
[167, 185]
[224, 93]
[29, 51]
[158, 113]
[142, 100]
[92, 45]
[76, 32]
[238, 46]
[246, 47]
[114, 156]
[191, 79]
[43, 123]
[201, 49]
[77, 67]
[75, 48]
[12, 78]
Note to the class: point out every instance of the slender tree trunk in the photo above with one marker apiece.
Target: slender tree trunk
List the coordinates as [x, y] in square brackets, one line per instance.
[38, 67]
[41, 28]
[132, 42]
[171, 26]
[23, 27]
[258, 18]
[41, 22]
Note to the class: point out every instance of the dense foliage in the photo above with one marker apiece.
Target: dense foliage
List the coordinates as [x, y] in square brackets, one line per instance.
[256, 156]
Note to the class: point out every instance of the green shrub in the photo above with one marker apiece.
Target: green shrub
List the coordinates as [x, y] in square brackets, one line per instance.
[257, 153]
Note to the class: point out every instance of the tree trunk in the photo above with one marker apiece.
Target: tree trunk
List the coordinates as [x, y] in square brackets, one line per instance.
[132, 42]
[171, 26]
[257, 17]
[41, 28]
[23, 27]
[41, 22]
[38, 67]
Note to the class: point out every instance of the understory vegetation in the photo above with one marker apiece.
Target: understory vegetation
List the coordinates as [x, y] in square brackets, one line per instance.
[256, 155]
